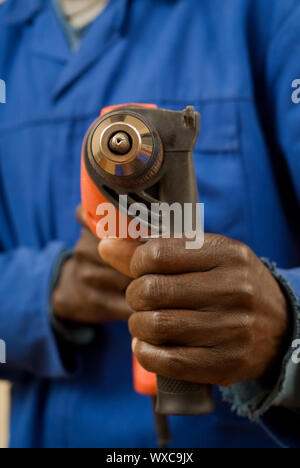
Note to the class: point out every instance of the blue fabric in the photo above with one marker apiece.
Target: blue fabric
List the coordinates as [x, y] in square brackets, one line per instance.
[235, 61]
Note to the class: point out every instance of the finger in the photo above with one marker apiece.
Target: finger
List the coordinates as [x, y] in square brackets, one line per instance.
[102, 276]
[167, 256]
[208, 290]
[104, 307]
[185, 327]
[200, 365]
[118, 253]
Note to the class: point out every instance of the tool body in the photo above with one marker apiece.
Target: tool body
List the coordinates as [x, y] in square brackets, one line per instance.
[145, 154]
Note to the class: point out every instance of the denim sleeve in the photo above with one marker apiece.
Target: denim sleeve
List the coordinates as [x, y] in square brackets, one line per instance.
[25, 289]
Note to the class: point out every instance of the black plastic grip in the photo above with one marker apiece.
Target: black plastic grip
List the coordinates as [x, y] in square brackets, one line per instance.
[183, 398]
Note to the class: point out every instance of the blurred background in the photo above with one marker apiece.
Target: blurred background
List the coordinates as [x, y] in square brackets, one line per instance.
[4, 405]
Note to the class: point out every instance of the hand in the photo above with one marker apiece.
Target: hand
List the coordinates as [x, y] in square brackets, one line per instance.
[89, 291]
[212, 316]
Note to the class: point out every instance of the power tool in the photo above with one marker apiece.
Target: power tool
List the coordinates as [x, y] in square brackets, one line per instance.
[145, 155]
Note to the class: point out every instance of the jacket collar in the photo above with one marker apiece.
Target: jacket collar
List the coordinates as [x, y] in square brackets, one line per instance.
[19, 11]
[102, 34]
[48, 37]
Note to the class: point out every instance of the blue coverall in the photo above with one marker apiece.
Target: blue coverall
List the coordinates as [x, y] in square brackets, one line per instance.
[235, 61]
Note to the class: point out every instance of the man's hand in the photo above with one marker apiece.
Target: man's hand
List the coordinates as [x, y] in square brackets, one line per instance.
[89, 291]
[214, 315]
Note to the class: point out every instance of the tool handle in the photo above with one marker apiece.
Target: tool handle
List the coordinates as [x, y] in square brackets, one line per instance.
[144, 382]
[180, 398]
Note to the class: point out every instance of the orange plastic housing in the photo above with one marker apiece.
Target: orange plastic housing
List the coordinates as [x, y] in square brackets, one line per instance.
[144, 382]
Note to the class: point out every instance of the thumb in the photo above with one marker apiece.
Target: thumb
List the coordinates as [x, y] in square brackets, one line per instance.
[118, 253]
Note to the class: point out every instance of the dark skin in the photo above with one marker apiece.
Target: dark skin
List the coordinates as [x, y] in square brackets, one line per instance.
[214, 315]
[89, 290]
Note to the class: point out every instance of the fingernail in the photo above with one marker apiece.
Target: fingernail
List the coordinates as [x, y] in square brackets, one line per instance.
[133, 344]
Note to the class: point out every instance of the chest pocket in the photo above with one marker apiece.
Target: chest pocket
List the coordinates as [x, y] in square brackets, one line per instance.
[219, 169]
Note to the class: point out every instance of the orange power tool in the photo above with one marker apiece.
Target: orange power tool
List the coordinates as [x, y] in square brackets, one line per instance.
[145, 153]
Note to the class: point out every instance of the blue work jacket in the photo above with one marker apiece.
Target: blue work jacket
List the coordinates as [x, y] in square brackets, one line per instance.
[236, 62]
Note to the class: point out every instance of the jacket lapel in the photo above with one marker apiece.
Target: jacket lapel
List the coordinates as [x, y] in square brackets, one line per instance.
[49, 39]
[105, 31]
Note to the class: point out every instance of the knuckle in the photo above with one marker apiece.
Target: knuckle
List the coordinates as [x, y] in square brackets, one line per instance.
[150, 286]
[156, 324]
[243, 253]
[217, 243]
[153, 289]
[239, 253]
[152, 327]
[157, 251]
[147, 258]
[142, 292]
[246, 327]
[175, 366]
[247, 293]
[159, 327]
[221, 241]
